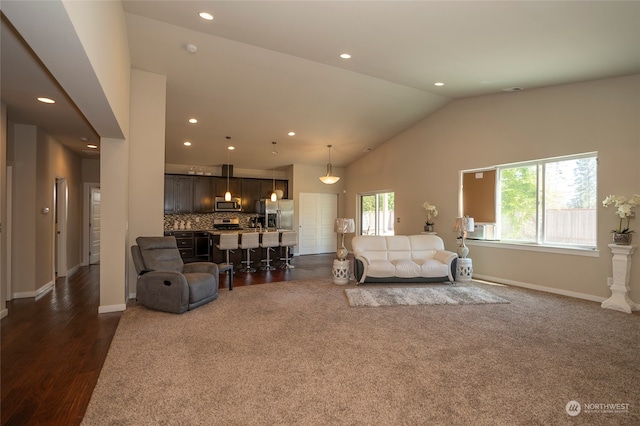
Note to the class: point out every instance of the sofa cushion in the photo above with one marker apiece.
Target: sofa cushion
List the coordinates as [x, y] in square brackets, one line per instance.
[406, 268]
[381, 269]
[433, 268]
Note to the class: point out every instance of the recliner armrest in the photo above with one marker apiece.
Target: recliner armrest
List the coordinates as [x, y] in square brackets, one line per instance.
[163, 290]
[203, 267]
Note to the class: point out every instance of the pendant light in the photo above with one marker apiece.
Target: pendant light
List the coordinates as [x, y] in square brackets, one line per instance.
[227, 195]
[329, 179]
[274, 196]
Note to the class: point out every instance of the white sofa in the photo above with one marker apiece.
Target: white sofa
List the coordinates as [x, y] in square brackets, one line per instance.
[402, 258]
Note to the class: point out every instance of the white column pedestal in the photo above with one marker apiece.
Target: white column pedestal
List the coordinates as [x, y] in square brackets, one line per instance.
[621, 263]
[464, 269]
[341, 271]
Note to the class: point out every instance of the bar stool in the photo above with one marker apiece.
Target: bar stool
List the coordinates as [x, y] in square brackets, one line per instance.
[269, 240]
[288, 239]
[249, 241]
[228, 242]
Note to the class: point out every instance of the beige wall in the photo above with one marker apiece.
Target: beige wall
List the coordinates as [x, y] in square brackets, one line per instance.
[4, 247]
[146, 156]
[23, 138]
[423, 163]
[90, 170]
[92, 36]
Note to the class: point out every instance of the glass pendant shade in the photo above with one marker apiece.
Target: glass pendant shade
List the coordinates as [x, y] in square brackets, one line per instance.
[329, 178]
[227, 196]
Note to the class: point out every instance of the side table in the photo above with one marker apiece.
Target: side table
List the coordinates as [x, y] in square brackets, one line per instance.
[464, 269]
[341, 271]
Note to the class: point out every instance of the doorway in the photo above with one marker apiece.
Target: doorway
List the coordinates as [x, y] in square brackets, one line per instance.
[60, 202]
[94, 225]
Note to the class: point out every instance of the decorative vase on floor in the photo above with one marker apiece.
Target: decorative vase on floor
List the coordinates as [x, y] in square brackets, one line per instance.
[622, 239]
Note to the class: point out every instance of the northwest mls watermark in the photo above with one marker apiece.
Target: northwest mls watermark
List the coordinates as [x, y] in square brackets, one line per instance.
[574, 408]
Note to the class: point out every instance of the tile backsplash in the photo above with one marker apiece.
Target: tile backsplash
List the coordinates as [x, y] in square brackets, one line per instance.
[204, 221]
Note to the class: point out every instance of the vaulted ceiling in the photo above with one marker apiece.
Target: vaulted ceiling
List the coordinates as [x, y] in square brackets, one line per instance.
[264, 68]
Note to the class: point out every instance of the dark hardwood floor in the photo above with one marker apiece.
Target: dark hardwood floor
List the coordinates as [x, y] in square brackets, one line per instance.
[53, 349]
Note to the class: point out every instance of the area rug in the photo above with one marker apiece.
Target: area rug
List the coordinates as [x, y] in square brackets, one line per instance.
[395, 296]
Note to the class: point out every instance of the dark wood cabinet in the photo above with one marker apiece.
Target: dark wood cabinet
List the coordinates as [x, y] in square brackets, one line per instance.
[235, 186]
[250, 194]
[193, 245]
[203, 194]
[169, 194]
[178, 194]
[196, 194]
[266, 187]
[201, 246]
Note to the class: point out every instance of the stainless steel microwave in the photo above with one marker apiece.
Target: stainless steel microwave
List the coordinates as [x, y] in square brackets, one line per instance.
[234, 205]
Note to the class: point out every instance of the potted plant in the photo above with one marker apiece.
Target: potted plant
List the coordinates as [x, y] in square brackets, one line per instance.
[624, 210]
[432, 212]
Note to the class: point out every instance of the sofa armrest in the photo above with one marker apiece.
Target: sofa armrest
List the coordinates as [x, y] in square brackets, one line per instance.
[449, 259]
[361, 266]
[205, 267]
[163, 290]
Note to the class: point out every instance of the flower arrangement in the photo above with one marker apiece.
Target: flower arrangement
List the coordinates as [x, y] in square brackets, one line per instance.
[624, 209]
[431, 210]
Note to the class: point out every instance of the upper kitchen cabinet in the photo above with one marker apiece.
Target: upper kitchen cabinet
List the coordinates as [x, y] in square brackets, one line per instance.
[203, 194]
[235, 186]
[266, 187]
[250, 194]
[178, 194]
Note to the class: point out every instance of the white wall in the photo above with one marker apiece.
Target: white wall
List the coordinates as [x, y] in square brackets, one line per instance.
[423, 163]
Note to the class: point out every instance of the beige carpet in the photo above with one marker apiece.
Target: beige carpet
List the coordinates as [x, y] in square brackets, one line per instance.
[296, 353]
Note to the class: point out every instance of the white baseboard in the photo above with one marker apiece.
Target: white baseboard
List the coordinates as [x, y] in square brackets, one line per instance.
[37, 294]
[112, 308]
[73, 270]
[541, 288]
[4, 313]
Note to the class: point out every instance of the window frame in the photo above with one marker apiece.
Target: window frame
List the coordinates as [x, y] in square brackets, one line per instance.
[537, 245]
[376, 194]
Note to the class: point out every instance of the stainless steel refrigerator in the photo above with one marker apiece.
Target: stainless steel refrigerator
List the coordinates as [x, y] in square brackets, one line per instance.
[277, 214]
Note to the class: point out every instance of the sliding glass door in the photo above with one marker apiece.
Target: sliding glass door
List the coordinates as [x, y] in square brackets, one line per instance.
[376, 213]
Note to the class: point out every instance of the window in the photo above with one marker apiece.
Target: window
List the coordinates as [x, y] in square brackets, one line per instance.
[548, 202]
[376, 213]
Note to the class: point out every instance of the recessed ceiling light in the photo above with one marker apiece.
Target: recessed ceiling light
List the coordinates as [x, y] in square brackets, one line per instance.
[206, 15]
[231, 148]
[92, 146]
[84, 139]
[439, 83]
[46, 100]
[345, 56]
[193, 120]
[291, 133]
[187, 143]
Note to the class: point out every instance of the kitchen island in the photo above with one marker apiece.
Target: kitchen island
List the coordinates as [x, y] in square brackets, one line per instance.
[199, 245]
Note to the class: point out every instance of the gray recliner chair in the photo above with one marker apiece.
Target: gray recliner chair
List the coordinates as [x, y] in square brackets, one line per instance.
[165, 282]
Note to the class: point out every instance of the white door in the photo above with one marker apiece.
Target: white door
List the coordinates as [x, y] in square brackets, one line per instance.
[318, 213]
[94, 226]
